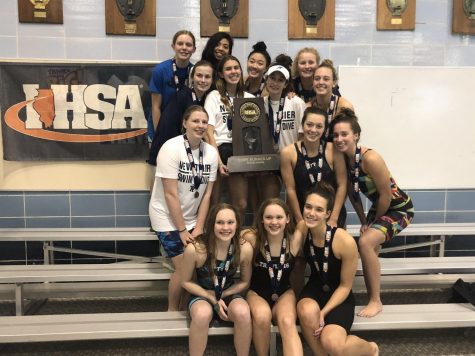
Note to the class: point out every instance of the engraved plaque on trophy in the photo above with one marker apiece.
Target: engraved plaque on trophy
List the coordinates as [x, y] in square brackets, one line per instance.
[253, 150]
[311, 19]
[40, 11]
[396, 15]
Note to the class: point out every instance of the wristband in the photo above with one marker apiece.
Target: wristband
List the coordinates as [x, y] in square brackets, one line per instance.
[180, 231]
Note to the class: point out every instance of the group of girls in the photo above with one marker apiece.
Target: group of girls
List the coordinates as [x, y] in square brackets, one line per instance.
[316, 133]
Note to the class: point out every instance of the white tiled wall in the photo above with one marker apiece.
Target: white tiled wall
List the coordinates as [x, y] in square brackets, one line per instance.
[82, 36]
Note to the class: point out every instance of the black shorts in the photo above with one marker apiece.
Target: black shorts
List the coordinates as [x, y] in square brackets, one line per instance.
[342, 315]
[225, 151]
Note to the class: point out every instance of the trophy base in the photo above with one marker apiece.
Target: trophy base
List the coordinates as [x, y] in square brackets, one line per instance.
[254, 163]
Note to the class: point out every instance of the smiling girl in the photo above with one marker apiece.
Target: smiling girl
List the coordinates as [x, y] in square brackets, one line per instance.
[219, 45]
[324, 81]
[170, 76]
[219, 105]
[215, 257]
[270, 296]
[170, 124]
[186, 170]
[257, 63]
[391, 210]
[327, 306]
[305, 63]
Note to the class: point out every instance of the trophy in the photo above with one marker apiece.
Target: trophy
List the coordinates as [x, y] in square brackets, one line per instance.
[396, 7]
[312, 11]
[224, 10]
[130, 10]
[469, 9]
[253, 149]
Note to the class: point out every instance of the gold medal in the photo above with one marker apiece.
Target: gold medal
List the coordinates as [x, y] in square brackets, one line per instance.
[197, 194]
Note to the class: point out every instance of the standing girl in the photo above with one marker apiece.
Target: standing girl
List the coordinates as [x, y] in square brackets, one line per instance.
[326, 307]
[309, 161]
[257, 63]
[186, 170]
[170, 76]
[219, 105]
[324, 81]
[219, 45]
[305, 63]
[270, 296]
[285, 117]
[215, 256]
[170, 124]
[391, 210]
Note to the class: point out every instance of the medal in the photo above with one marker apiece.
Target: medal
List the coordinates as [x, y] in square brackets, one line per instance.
[275, 280]
[326, 252]
[197, 176]
[275, 130]
[230, 134]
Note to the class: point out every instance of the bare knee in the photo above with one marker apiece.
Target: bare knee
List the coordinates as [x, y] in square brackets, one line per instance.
[261, 318]
[241, 314]
[201, 316]
[286, 321]
[307, 312]
[332, 345]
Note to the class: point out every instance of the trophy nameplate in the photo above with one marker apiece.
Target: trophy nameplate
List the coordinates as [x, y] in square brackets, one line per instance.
[312, 11]
[130, 10]
[40, 11]
[253, 149]
[224, 10]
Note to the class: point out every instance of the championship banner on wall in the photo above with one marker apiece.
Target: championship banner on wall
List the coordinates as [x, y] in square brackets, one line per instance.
[71, 112]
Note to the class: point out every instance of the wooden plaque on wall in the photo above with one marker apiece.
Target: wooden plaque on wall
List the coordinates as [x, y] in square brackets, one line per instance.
[239, 26]
[325, 26]
[460, 21]
[46, 11]
[386, 20]
[144, 24]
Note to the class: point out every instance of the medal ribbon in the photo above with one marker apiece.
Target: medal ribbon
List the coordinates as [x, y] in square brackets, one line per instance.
[175, 76]
[229, 121]
[326, 251]
[354, 173]
[197, 177]
[261, 87]
[315, 170]
[276, 280]
[275, 130]
[330, 113]
[223, 274]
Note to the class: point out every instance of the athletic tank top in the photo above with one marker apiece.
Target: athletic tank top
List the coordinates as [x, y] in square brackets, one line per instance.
[204, 277]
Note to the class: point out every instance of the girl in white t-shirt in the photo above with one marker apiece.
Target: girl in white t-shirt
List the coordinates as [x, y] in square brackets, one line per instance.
[186, 171]
[284, 113]
[219, 105]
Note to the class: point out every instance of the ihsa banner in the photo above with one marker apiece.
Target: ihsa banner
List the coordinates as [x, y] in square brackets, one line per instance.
[74, 111]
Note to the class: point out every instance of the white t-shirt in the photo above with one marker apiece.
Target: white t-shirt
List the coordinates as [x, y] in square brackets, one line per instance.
[173, 163]
[291, 124]
[218, 116]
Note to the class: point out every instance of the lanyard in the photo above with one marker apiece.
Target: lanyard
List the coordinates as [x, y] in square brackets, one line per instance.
[197, 178]
[275, 280]
[354, 173]
[275, 129]
[261, 88]
[306, 95]
[316, 169]
[222, 274]
[175, 76]
[229, 121]
[326, 251]
[330, 113]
